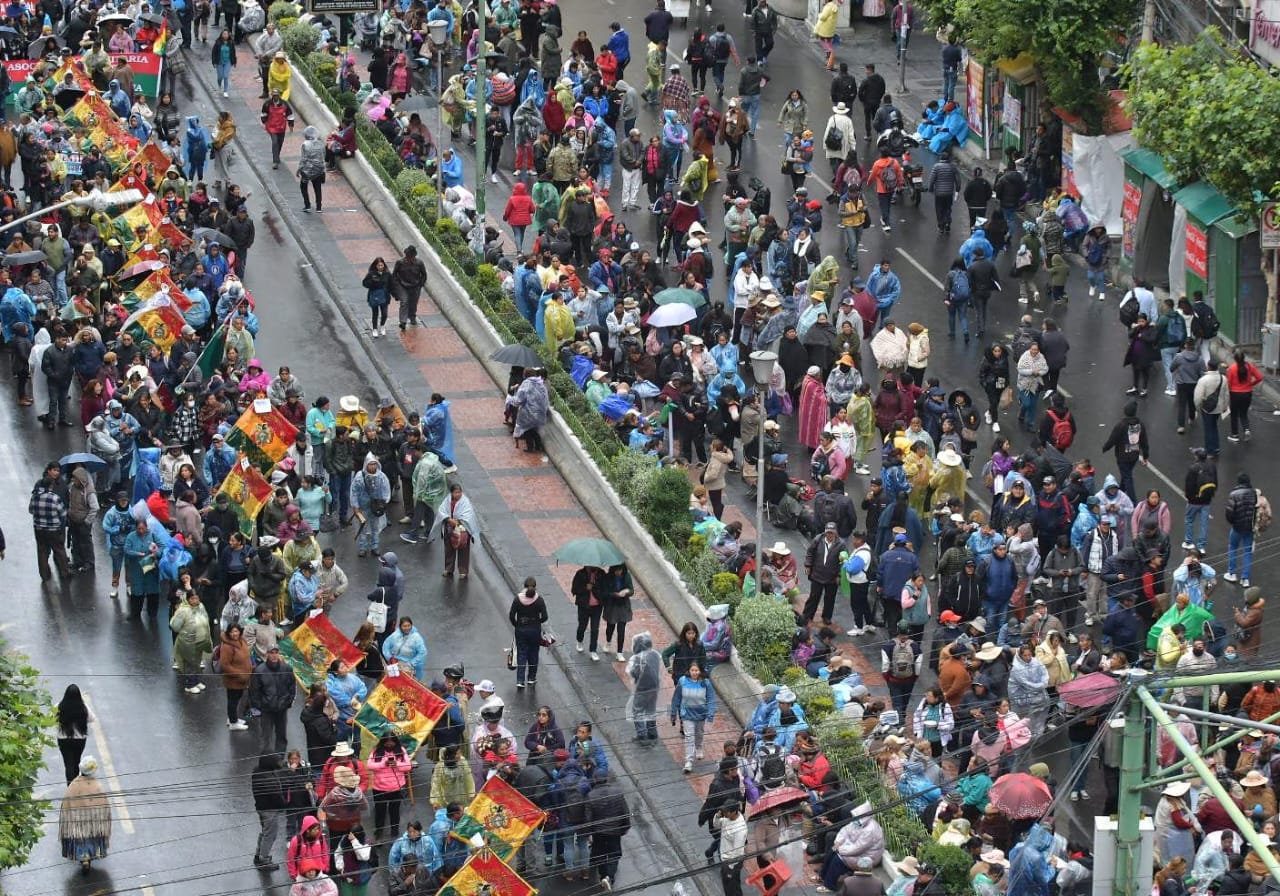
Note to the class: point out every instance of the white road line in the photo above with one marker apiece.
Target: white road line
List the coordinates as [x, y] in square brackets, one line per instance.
[919, 267]
[112, 780]
[1165, 479]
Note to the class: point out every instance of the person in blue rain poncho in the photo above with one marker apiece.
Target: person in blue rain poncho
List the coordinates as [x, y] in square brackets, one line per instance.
[118, 100]
[437, 426]
[787, 719]
[147, 478]
[1029, 869]
[977, 239]
[954, 130]
[725, 352]
[675, 137]
[407, 646]
[15, 307]
[916, 789]
[195, 145]
[728, 376]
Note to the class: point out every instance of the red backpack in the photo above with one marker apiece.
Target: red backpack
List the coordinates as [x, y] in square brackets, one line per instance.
[1062, 434]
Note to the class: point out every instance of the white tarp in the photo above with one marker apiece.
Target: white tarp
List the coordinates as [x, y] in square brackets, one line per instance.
[1178, 252]
[1099, 176]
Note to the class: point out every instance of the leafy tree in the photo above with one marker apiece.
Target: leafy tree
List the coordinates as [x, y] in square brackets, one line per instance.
[1210, 114]
[26, 716]
[1067, 38]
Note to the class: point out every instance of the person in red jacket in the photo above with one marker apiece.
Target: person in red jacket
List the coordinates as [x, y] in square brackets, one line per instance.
[813, 767]
[1241, 379]
[277, 116]
[342, 756]
[308, 845]
[519, 213]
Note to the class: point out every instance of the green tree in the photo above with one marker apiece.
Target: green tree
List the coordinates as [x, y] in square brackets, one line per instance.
[1210, 114]
[1067, 38]
[26, 716]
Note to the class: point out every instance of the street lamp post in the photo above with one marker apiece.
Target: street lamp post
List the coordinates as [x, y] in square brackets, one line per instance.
[97, 201]
[762, 373]
[437, 33]
[482, 117]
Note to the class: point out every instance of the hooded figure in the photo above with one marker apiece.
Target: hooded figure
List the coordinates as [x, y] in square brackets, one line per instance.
[147, 479]
[645, 669]
[196, 147]
[15, 307]
[370, 492]
[84, 818]
[120, 101]
[1029, 868]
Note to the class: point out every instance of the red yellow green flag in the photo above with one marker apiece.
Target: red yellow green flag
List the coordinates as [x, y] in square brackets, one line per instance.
[484, 874]
[159, 281]
[313, 645]
[248, 491]
[499, 818]
[157, 320]
[402, 706]
[262, 433]
[161, 42]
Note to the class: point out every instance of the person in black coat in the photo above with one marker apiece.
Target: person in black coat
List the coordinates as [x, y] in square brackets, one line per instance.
[268, 801]
[1142, 354]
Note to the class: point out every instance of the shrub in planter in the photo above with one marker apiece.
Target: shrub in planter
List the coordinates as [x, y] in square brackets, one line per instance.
[287, 21]
[282, 10]
[813, 694]
[630, 473]
[410, 179]
[487, 279]
[953, 865]
[726, 589]
[300, 38]
[664, 506]
[762, 631]
[700, 567]
[347, 101]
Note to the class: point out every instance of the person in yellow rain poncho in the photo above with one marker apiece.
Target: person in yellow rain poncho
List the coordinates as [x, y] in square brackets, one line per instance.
[863, 416]
[919, 469]
[947, 480]
[280, 75]
[558, 322]
[455, 105]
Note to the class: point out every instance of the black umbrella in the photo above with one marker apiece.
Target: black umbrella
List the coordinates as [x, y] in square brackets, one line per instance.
[209, 235]
[35, 256]
[119, 17]
[66, 97]
[153, 18]
[517, 355]
[7, 33]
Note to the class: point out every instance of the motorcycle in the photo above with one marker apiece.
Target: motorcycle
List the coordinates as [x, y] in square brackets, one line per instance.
[913, 179]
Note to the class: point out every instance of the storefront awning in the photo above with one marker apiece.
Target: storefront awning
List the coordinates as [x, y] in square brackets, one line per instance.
[1236, 227]
[1204, 203]
[1151, 165]
[1021, 68]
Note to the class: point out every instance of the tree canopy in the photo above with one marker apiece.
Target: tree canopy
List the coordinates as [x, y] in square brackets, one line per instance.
[25, 719]
[1211, 115]
[1067, 38]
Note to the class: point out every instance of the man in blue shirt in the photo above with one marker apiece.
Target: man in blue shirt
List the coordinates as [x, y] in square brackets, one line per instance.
[897, 566]
[620, 45]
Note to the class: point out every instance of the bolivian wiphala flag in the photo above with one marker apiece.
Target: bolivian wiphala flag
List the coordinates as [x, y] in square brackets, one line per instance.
[485, 874]
[313, 645]
[401, 706]
[500, 818]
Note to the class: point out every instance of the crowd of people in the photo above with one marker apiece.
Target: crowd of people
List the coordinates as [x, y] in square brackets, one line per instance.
[1068, 574]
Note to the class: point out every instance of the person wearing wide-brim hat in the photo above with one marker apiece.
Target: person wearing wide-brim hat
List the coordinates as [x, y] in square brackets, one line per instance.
[1171, 838]
[948, 477]
[841, 123]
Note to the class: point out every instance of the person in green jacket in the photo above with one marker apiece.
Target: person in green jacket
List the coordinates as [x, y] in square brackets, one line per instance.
[430, 487]
[546, 201]
[1059, 270]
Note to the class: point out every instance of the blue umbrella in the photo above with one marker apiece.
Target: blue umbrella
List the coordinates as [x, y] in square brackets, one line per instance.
[94, 463]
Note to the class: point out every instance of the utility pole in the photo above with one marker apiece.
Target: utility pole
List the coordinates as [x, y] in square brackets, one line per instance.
[1134, 781]
[1149, 21]
[482, 116]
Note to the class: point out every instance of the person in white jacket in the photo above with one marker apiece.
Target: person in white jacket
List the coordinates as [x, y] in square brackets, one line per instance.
[733, 845]
[839, 121]
[861, 838]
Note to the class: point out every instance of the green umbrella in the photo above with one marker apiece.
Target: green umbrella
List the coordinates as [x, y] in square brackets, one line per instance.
[1192, 617]
[680, 294]
[589, 552]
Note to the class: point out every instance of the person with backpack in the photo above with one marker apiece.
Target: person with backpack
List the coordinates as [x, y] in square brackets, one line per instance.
[1141, 355]
[1186, 368]
[839, 137]
[1204, 323]
[1026, 264]
[1212, 400]
[886, 176]
[1129, 440]
[1244, 512]
[1199, 487]
[1058, 426]
[1242, 377]
[1096, 249]
[900, 662]
[956, 295]
[720, 49]
[1171, 332]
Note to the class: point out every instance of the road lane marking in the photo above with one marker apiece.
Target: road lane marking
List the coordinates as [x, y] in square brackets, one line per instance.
[919, 267]
[112, 780]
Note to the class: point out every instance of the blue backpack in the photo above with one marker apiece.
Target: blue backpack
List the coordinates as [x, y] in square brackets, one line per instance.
[959, 286]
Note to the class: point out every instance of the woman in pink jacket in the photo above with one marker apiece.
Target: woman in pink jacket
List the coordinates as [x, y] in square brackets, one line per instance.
[389, 766]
